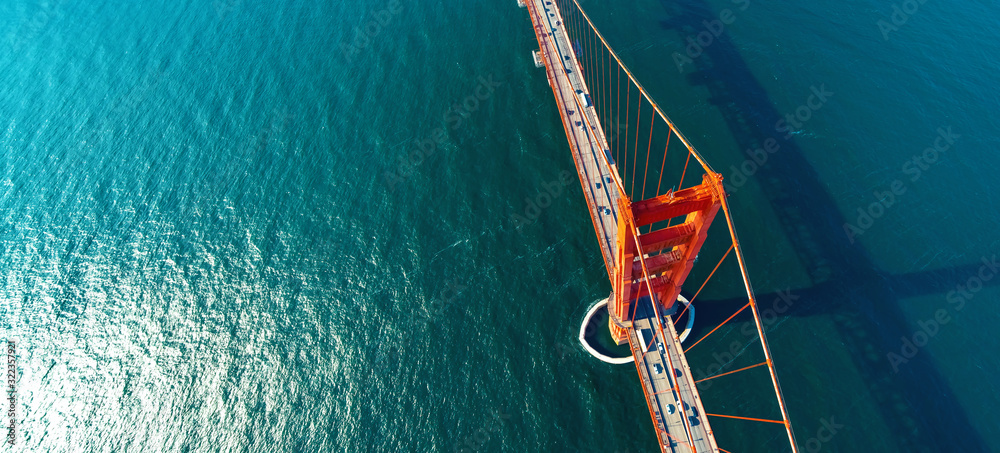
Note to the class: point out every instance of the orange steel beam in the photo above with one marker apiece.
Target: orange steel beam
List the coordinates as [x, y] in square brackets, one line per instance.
[624, 294]
[658, 263]
[691, 302]
[717, 327]
[673, 204]
[731, 372]
[666, 238]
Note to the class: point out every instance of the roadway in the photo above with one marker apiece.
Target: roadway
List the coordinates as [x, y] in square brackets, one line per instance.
[661, 383]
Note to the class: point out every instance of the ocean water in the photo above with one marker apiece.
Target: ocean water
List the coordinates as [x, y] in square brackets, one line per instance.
[243, 226]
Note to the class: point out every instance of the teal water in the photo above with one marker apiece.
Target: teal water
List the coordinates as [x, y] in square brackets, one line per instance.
[203, 248]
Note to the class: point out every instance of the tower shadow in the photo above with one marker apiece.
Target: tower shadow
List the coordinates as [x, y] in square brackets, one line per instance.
[862, 300]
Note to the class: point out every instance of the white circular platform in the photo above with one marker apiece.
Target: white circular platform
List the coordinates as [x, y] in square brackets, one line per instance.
[623, 360]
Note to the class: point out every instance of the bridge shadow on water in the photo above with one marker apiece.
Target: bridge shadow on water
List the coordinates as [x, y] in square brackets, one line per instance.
[916, 403]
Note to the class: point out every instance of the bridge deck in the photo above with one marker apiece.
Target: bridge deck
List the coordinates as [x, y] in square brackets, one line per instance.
[587, 141]
[662, 384]
[586, 137]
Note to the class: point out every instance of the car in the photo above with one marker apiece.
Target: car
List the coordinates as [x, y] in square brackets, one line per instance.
[658, 368]
[671, 409]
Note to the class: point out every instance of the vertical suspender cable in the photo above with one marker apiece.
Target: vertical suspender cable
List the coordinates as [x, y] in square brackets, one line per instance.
[585, 45]
[599, 76]
[635, 152]
[590, 61]
[628, 95]
[608, 111]
[605, 88]
[645, 173]
[681, 185]
[662, 165]
[618, 109]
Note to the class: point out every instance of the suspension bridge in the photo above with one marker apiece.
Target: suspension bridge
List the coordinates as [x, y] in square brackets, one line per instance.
[650, 235]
